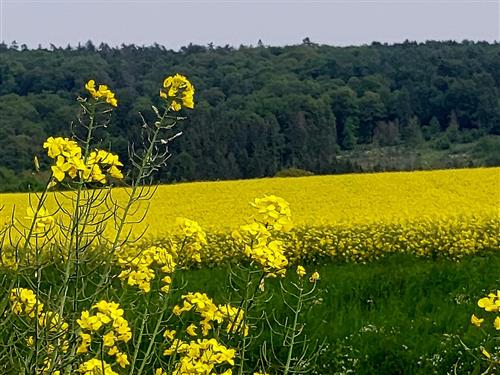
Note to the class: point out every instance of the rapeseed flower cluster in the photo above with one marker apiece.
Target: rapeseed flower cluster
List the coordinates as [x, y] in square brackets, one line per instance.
[44, 221]
[104, 324]
[52, 330]
[179, 91]
[96, 366]
[301, 271]
[69, 162]
[273, 212]
[194, 238]
[25, 302]
[212, 315]
[101, 93]
[202, 356]
[257, 238]
[490, 304]
[138, 268]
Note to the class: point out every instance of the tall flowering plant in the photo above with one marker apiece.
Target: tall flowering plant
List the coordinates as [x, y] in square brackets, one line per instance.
[69, 327]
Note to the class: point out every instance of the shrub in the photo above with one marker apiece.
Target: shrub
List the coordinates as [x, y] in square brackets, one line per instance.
[293, 172]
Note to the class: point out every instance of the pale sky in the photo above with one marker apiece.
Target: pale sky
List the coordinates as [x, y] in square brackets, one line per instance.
[235, 22]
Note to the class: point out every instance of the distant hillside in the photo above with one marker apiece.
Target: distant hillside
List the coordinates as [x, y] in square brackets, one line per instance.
[262, 109]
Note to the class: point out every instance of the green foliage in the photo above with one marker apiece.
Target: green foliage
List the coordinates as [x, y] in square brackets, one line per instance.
[386, 133]
[260, 109]
[442, 142]
[22, 183]
[432, 129]
[489, 150]
[349, 133]
[293, 172]
[413, 135]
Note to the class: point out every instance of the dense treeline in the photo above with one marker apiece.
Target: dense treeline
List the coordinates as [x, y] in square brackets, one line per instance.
[259, 109]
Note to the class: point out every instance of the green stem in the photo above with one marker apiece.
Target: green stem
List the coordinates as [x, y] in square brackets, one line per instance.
[141, 332]
[245, 305]
[151, 342]
[135, 184]
[293, 335]
[41, 201]
[38, 282]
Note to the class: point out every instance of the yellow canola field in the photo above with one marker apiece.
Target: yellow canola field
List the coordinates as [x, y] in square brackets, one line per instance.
[318, 200]
[358, 217]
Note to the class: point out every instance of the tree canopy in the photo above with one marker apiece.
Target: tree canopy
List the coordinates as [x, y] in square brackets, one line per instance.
[259, 109]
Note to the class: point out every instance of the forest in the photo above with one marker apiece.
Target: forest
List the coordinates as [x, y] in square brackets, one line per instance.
[263, 110]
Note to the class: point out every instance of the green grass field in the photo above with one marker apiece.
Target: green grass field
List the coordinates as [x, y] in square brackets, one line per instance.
[399, 315]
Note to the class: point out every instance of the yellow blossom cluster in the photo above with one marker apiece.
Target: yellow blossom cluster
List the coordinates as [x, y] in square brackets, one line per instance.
[102, 92]
[301, 271]
[179, 91]
[106, 159]
[139, 265]
[257, 238]
[69, 162]
[211, 314]
[52, 329]
[273, 212]
[44, 221]
[202, 357]
[138, 268]
[259, 247]
[491, 304]
[96, 366]
[107, 321]
[24, 302]
[194, 238]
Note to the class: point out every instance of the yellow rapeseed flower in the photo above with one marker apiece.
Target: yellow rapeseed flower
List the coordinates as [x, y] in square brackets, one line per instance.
[314, 277]
[496, 323]
[191, 330]
[491, 303]
[485, 352]
[95, 366]
[200, 356]
[169, 334]
[122, 360]
[273, 211]
[476, 321]
[301, 271]
[102, 92]
[109, 339]
[25, 302]
[179, 90]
